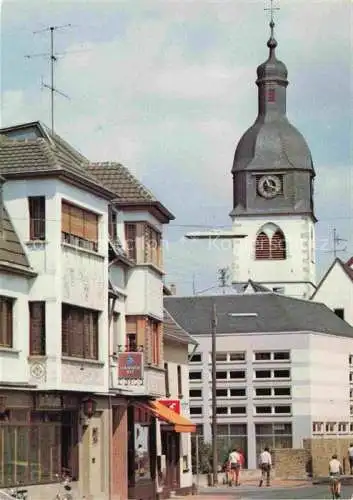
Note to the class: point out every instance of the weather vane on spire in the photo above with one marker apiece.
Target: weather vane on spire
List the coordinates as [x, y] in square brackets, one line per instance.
[272, 10]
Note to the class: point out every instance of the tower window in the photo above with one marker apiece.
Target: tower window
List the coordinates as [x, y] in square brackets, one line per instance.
[271, 95]
[262, 247]
[278, 246]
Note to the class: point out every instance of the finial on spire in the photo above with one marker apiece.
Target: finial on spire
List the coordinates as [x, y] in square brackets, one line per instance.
[272, 42]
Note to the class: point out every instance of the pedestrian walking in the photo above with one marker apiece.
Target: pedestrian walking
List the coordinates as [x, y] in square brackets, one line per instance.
[265, 463]
[350, 458]
[234, 463]
[335, 471]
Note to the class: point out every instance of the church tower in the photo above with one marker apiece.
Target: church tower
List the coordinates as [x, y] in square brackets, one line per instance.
[273, 177]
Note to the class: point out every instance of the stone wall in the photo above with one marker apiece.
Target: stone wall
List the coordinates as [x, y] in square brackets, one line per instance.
[321, 451]
[291, 463]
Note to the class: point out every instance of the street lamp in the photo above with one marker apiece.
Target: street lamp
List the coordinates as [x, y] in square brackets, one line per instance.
[214, 235]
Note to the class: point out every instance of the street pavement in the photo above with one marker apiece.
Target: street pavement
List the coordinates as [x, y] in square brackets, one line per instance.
[252, 493]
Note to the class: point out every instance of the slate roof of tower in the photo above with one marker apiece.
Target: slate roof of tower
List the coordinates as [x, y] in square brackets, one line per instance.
[128, 189]
[275, 313]
[47, 154]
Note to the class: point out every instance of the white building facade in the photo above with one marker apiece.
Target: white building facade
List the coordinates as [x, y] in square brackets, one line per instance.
[274, 388]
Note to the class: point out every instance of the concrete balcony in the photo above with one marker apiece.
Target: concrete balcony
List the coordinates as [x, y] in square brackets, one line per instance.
[129, 374]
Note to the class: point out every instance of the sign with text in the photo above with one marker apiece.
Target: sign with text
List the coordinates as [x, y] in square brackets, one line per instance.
[130, 368]
[172, 404]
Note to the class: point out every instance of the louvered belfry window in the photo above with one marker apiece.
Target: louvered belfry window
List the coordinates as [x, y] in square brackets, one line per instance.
[79, 227]
[278, 246]
[37, 328]
[79, 334]
[262, 249]
[6, 321]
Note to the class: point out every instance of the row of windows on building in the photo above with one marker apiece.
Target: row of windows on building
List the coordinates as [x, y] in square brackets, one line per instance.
[241, 374]
[242, 410]
[332, 427]
[80, 228]
[241, 392]
[79, 331]
[240, 356]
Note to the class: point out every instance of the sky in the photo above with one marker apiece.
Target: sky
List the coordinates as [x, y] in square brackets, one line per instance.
[168, 88]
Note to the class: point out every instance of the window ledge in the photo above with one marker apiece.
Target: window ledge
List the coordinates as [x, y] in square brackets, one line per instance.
[34, 243]
[83, 250]
[82, 361]
[9, 350]
[39, 357]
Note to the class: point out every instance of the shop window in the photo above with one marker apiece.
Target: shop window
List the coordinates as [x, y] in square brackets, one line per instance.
[37, 328]
[79, 227]
[36, 205]
[6, 321]
[142, 445]
[237, 393]
[79, 332]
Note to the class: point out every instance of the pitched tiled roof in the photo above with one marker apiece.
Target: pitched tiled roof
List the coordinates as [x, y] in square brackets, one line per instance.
[127, 188]
[274, 313]
[44, 156]
[173, 331]
[12, 253]
[346, 266]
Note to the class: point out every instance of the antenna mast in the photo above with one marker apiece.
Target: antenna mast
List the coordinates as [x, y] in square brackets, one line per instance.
[336, 242]
[53, 59]
[223, 277]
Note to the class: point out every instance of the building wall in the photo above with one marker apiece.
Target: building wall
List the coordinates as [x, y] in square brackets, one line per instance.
[298, 266]
[144, 292]
[337, 292]
[312, 378]
[176, 354]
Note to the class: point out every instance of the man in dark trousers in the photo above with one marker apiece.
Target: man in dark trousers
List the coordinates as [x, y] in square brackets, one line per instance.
[265, 463]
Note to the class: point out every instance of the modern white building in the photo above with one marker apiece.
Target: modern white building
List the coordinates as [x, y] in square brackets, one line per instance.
[284, 369]
[336, 289]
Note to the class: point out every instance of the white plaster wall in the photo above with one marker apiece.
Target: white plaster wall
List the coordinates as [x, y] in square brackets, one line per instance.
[299, 265]
[337, 292]
[13, 361]
[144, 292]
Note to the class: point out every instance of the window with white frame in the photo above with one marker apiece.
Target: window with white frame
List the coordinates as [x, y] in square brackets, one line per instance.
[342, 426]
[237, 393]
[195, 393]
[238, 410]
[282, 409]
[196, 358]
[237, 356]
[263, 410]
[195, 410]
[318, 426]
[330, 426]
[195, 375]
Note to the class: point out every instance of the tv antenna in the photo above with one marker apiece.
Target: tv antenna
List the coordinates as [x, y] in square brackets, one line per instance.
[53, 57]
[336, 243]
[223, 277]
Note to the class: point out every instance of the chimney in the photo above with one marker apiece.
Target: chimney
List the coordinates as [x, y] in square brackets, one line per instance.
[173, 289]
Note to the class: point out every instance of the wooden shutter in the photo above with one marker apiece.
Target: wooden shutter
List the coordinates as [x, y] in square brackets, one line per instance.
[262, 247]
[90, 226]
[90, 324]
[278, 246]
[65, 217]
[37, 328]
[36, 205]
[65, 329]
[77, 222]
[77, 333]
[6, 321]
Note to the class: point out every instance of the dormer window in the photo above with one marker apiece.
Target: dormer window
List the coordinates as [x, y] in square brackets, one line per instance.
[271, 95]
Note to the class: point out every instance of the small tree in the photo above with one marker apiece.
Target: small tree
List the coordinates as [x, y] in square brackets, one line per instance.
[205, 456]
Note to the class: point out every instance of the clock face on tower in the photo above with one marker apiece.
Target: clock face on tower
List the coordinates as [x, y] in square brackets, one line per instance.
[269, 186]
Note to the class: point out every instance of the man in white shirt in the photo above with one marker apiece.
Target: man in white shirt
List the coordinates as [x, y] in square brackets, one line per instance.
[265, 463]
[335, 470]
[350, 457]
[234, 465]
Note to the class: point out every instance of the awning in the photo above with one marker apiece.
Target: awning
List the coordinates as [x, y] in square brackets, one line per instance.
[179, 423]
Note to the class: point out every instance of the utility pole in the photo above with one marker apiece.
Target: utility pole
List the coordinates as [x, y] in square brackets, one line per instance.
[214, 395]
[53, 59]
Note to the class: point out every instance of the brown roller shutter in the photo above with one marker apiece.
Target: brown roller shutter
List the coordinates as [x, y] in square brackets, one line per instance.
[91, 226]
[65, 217]
[37, 328]
[77, 222]
[131, 325]
[65, 329]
